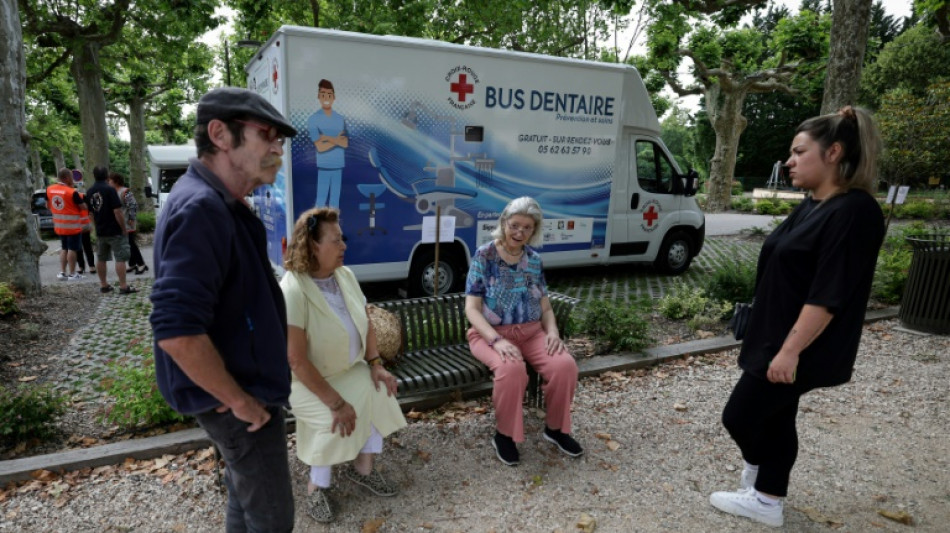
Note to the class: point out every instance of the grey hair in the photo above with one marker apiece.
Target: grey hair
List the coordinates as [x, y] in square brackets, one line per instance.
[526, 206]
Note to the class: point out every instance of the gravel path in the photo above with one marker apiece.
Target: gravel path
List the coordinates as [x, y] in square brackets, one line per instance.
[877, 444]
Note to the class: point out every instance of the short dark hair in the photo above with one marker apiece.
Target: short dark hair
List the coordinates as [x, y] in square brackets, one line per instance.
[100, 173]
[326, 84]
[117, 178]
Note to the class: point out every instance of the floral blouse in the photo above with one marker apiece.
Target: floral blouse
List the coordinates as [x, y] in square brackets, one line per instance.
[511, 294]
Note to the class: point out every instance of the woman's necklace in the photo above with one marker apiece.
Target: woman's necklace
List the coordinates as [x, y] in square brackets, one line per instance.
[512, 254]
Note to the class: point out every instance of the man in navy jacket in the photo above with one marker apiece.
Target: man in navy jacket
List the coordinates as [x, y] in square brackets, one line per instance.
[219, 319]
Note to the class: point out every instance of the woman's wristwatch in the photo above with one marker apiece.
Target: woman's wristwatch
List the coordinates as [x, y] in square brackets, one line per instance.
[495, 340]
[376, 361]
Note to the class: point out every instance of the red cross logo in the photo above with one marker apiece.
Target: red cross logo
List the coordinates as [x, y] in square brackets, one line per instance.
[650, 215]
[275, 76]
[462, 87]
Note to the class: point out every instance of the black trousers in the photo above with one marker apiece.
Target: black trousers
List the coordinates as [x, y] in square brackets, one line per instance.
[257, 472]
[760, 417]
[87, 249]
[136, 259]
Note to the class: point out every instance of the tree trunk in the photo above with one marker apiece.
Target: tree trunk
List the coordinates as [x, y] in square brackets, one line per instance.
[77, 163]
[92, 104]
[20, 245]
[315, 9]
[137, 152]
[724, 105]
[849, 37]
[39, 178]
[59, 160]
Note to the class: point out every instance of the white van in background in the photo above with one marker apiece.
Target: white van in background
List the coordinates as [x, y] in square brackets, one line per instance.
[166, 164]
[407, 128]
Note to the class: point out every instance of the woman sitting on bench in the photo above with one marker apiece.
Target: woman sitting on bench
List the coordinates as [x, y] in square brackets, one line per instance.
[512, 323]
[343, 399]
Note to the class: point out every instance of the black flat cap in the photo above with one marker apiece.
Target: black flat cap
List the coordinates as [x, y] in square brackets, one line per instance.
[231, 102]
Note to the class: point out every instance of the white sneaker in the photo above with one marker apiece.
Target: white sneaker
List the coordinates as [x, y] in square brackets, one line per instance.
[74, 277]
[747, 481]
[62, 276]
[745, 503]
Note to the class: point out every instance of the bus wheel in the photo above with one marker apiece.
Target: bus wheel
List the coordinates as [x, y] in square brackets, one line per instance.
[676, 252]
[452, 272]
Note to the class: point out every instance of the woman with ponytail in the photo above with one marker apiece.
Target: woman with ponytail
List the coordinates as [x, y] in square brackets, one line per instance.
[812, 287]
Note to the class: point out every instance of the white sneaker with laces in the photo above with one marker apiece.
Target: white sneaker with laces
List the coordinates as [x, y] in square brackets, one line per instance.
[62, 276]
[74, 277]
[745, 503]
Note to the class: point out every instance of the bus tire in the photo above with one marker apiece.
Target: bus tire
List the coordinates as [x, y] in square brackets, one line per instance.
[675, 254]
[452, 273]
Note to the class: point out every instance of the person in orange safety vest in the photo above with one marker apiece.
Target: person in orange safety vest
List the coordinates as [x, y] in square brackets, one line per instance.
[65, 203]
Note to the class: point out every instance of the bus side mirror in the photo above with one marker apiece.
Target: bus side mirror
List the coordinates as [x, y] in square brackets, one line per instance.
[690, 182]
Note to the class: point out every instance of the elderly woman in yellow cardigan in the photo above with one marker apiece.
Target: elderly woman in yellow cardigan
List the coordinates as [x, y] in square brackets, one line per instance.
[343, 399]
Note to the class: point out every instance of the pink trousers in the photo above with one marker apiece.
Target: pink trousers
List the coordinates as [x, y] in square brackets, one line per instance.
[558, 371]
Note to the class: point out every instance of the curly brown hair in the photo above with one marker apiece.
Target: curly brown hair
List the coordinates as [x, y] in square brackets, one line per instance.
[299, 256]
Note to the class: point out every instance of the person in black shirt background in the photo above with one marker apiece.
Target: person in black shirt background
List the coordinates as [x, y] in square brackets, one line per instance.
[111, 233]
[812, 287]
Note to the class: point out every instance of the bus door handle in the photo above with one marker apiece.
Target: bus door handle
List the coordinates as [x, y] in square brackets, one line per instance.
[635, 200]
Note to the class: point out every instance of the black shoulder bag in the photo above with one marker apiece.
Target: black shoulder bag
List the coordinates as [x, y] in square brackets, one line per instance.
[740, 319]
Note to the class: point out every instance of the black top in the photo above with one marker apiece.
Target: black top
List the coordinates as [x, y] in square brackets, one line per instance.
[103, 200]
[825, 255]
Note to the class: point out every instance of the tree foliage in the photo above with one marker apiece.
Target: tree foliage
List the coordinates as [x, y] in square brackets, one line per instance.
[729, 63]
[75, 33]
[147, 65]
[570, 28]
[936, 13]
[772, 118]
[678, 130]
[97, 39]
[914, 129]
[912, 61]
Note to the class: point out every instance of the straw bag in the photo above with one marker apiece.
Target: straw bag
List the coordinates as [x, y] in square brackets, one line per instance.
[388, 333]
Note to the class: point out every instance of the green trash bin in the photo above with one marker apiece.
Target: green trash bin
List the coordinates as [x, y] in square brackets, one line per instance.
[926, 302]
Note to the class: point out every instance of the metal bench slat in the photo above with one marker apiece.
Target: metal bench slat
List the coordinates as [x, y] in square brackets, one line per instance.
[434, 361]
[435, 345]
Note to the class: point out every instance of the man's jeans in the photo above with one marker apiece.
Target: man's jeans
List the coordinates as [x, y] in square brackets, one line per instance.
[257, 474]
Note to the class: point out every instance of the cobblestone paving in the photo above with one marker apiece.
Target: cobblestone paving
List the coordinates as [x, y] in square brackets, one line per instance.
[120, 331]
[632, 282]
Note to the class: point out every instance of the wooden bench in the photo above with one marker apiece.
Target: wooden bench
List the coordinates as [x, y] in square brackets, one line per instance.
[436, 363]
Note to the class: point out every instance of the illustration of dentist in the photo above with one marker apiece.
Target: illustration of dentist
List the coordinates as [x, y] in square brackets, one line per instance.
[328, 131]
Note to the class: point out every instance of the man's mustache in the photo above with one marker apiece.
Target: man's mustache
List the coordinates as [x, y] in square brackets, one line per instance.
[271, 161]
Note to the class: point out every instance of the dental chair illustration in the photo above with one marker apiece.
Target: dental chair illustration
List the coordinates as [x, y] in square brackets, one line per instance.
[371, 191]
[441, 189]
[428, 193]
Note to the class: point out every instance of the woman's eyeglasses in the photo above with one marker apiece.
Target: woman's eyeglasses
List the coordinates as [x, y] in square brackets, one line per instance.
[515, 228]
[268, 133]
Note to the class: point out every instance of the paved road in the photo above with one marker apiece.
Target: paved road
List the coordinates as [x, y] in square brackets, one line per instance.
[49, 267]
[734, 223]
